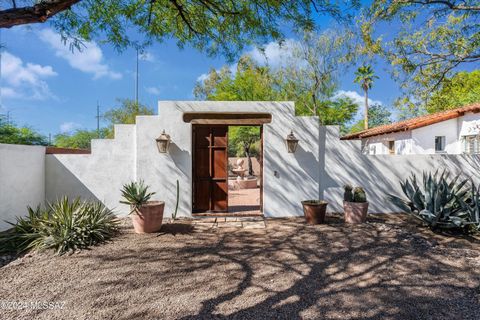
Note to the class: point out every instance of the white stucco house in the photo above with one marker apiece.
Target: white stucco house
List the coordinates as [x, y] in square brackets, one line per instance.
[454, 131]
[318, 168]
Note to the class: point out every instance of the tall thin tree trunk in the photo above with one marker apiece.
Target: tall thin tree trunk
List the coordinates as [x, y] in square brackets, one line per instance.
[366, 110]
[249, 160]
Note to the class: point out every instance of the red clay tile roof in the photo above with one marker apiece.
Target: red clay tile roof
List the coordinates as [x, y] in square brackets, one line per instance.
[414, 123]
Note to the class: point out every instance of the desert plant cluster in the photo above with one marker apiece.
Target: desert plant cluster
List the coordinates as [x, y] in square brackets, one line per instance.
[356, 194]
[63, 226]
[442, 202]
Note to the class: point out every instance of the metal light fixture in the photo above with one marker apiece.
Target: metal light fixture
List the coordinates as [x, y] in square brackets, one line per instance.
[163, 142]
[291, 142]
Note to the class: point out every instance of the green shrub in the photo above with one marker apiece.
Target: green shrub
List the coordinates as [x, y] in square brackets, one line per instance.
[440, 202]
[63, 226]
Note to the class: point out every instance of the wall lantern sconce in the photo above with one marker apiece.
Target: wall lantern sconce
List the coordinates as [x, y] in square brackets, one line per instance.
[163, 142]
[292, 142]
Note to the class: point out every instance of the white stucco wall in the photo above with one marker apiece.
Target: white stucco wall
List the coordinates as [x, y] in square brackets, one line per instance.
[282, 191]
[379, 144]
[22, 180]
[424, 138]
[380, 175]
[470, 124]
[96, 176]
[133, 155]
[319, 168]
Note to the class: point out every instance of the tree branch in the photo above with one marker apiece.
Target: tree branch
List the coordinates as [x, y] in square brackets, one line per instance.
[450, 4]
[37, 13]
[181, 12]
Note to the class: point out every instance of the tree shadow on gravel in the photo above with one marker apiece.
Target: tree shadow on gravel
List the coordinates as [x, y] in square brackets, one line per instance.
[176, 228]
[288, 271]
[372, 290]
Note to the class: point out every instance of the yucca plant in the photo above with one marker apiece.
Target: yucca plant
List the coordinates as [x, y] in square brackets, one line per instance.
[136, 194]
[63, 226]
[23, 232]
[437, 201]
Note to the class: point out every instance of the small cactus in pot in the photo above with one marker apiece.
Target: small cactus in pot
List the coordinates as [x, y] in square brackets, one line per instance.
[348, 195]
[359, 195]
[355, 204]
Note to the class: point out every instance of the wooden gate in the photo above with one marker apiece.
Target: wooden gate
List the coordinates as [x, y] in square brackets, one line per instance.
[210, 172]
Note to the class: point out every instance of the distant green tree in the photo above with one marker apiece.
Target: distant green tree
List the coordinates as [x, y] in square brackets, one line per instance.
[365, 76]
[125, 113]
[462, 89]
[243, 140]
[339, 111]
[311, 85]
[13, 134]
[378, 115]
[310, 70]
[80, 139]
[250, 82]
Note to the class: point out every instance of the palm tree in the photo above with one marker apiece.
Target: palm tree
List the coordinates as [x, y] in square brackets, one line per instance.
[365, 77]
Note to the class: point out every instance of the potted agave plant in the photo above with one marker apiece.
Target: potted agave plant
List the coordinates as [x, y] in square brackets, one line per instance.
[147, 215]
[314, 211]
[355, 205]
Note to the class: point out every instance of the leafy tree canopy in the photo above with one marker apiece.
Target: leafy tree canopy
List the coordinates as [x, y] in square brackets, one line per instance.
[244, 142]
[307, 75]
[13, 134]
[427, 40]
[378, 115]
[125, 113]
[462, 89]
[250, 82]
[80, 139]
[214, 26]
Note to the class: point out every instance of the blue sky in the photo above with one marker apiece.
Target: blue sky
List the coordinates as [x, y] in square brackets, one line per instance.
[47, 87]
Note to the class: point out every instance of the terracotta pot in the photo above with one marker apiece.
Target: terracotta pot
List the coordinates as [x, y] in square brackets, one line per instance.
[314, 211]
[148, 218]
[355, 212]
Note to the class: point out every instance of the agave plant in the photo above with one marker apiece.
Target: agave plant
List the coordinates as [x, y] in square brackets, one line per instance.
[136, 194]
[63, 226]
[472, 206]
[437, 201]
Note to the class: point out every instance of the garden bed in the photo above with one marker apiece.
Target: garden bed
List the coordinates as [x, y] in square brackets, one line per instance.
[386, 268]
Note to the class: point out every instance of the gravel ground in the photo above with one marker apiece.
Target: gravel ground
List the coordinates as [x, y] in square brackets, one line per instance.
[384, 269]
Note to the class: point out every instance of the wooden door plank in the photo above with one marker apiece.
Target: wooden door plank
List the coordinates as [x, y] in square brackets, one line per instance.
[210, 168]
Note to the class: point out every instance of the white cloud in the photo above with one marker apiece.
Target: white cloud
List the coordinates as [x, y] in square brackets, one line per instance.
[273, 53]
[89, 59]
[9, 93]
[356, 97]
[24, 80]
[204, 76]
[153, 90]
[69, 127]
